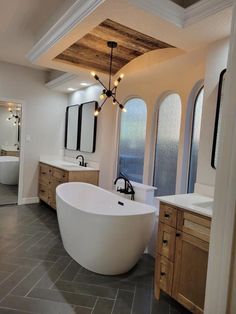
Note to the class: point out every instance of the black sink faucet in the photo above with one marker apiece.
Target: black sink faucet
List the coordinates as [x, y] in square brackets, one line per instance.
[82, 163]
[128, 189]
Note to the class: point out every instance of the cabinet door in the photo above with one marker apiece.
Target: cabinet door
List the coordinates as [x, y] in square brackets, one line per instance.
[86, 176]
[191, 257]
[166, 241]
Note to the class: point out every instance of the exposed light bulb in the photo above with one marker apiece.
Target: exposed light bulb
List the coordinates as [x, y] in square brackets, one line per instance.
[96, 113]
[114, 102]
[9, 109]
[122, 76]
[103, 94]
[93, 73]
[122, 108]
[116, 83]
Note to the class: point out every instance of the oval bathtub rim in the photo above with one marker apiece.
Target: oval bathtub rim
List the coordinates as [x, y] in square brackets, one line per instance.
[152, 210]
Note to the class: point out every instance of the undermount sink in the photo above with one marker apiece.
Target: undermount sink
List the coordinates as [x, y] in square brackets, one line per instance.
[205, 205]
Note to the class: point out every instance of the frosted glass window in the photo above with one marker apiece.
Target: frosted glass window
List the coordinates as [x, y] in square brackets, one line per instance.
[197, 117]
[168, 131]
[132, 139]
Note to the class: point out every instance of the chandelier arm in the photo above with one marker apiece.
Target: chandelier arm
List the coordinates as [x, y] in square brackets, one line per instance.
[114, 98]
[103, 102]
[102, 84]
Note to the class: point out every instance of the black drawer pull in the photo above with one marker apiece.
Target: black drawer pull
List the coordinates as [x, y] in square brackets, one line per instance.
[162, 273]
[42, 191]
[178, 234]
[165, 241]
[167, 215]
[44, 172]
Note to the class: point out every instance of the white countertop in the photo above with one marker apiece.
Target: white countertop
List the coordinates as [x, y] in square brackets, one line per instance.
[65, 165]
[9, 148]
[194, 202]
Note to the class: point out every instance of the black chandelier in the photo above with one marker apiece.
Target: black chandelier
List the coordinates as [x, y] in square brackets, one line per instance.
[109, 92]
[14, 115]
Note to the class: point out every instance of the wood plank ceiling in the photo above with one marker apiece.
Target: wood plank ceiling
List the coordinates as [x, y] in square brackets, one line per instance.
[91, 51]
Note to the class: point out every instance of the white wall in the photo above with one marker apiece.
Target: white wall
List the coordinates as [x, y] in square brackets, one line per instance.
[105, 134]
[216, 61]
[8, 132]
[44, 117]
[149, 80]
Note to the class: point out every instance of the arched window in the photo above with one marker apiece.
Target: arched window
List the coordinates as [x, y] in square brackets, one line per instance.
[195, 137]
[132, 139]
[167, 145]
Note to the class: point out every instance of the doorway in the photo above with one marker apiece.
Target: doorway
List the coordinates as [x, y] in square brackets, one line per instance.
[10, 130]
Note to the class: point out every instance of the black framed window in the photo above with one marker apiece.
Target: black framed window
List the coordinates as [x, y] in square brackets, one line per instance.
[195, 138]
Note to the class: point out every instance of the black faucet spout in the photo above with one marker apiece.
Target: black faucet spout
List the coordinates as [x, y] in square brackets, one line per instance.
[82, 163]
[128, 188]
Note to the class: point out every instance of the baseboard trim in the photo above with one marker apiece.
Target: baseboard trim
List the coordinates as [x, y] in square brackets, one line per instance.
[29, 200]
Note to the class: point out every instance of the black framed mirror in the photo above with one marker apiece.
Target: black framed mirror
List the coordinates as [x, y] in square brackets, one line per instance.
[81, 127]
[214, 155]
[72, 127]
[87, 127]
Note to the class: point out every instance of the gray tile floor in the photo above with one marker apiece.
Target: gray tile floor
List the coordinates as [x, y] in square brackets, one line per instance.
[8, 194]
[38, 276]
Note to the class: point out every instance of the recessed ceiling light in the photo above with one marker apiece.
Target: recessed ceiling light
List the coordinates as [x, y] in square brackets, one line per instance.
[71, 89]
[84, 84]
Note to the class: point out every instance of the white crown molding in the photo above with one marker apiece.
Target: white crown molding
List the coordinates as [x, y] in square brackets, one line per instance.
[164, 8]
[179, 16]
[203, 9]
[64, 78]
[74, 15]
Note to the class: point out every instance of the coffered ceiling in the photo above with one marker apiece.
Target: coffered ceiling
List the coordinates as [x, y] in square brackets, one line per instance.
[91, 51]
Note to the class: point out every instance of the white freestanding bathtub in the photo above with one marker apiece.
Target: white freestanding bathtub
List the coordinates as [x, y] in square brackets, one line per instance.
[103, 232]
[9, 170]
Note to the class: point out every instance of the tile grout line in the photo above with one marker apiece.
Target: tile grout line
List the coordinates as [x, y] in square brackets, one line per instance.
[20, 281]
[17, 247]
[39, 280]
[132, 306]
[60, 275]
[91, 295]
[113, 307]
[38, 241]
[94, 305]
[22, 311]
[97, 285]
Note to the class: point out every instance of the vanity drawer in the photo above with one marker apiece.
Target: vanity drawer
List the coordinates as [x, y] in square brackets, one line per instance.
[168, 215]
[60, 174]
[195, 225]
[166, 241]
[43, 192]
[164, 274]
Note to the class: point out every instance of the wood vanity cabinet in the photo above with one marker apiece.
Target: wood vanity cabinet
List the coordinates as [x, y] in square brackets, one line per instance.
[10, 153]
[50, 177]
[182, 256]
